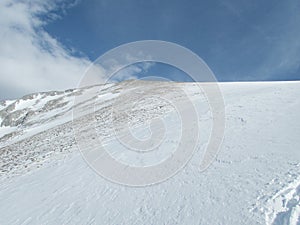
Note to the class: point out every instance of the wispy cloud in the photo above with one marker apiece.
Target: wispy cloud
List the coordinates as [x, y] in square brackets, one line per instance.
[30, 59]
[133, 71]
[283, 57]
[266, 43]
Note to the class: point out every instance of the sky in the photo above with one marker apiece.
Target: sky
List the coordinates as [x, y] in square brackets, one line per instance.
[49, 44]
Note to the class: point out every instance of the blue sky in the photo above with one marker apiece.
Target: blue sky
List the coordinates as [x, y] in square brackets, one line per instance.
[49, 44]
[240, 40]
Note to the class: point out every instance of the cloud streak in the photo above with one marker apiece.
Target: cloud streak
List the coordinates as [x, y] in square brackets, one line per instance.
[283, 57]
[31, 60]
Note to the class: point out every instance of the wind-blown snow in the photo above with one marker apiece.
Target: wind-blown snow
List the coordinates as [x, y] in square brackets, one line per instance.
[254, 179]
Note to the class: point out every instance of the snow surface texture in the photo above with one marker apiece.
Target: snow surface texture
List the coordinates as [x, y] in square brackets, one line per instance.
[254, 179]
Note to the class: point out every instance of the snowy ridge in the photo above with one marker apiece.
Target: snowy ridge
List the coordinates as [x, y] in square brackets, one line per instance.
[24, 142]
[253, 180]
[38, 112]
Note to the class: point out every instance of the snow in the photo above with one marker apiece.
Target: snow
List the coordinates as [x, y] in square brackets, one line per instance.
[254, 179]
[45, 117]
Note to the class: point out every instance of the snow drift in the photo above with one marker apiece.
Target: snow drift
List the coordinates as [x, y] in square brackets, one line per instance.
[253, 180]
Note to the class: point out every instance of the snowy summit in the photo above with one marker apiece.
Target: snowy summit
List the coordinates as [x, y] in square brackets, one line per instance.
[253, 179]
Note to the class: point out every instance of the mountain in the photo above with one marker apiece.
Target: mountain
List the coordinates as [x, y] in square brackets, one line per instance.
[46, 178]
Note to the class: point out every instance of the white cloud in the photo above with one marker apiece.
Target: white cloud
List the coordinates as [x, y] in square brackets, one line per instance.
[30, 59]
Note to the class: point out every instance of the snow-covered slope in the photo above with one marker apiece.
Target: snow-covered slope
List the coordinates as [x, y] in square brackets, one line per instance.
[254, 179]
